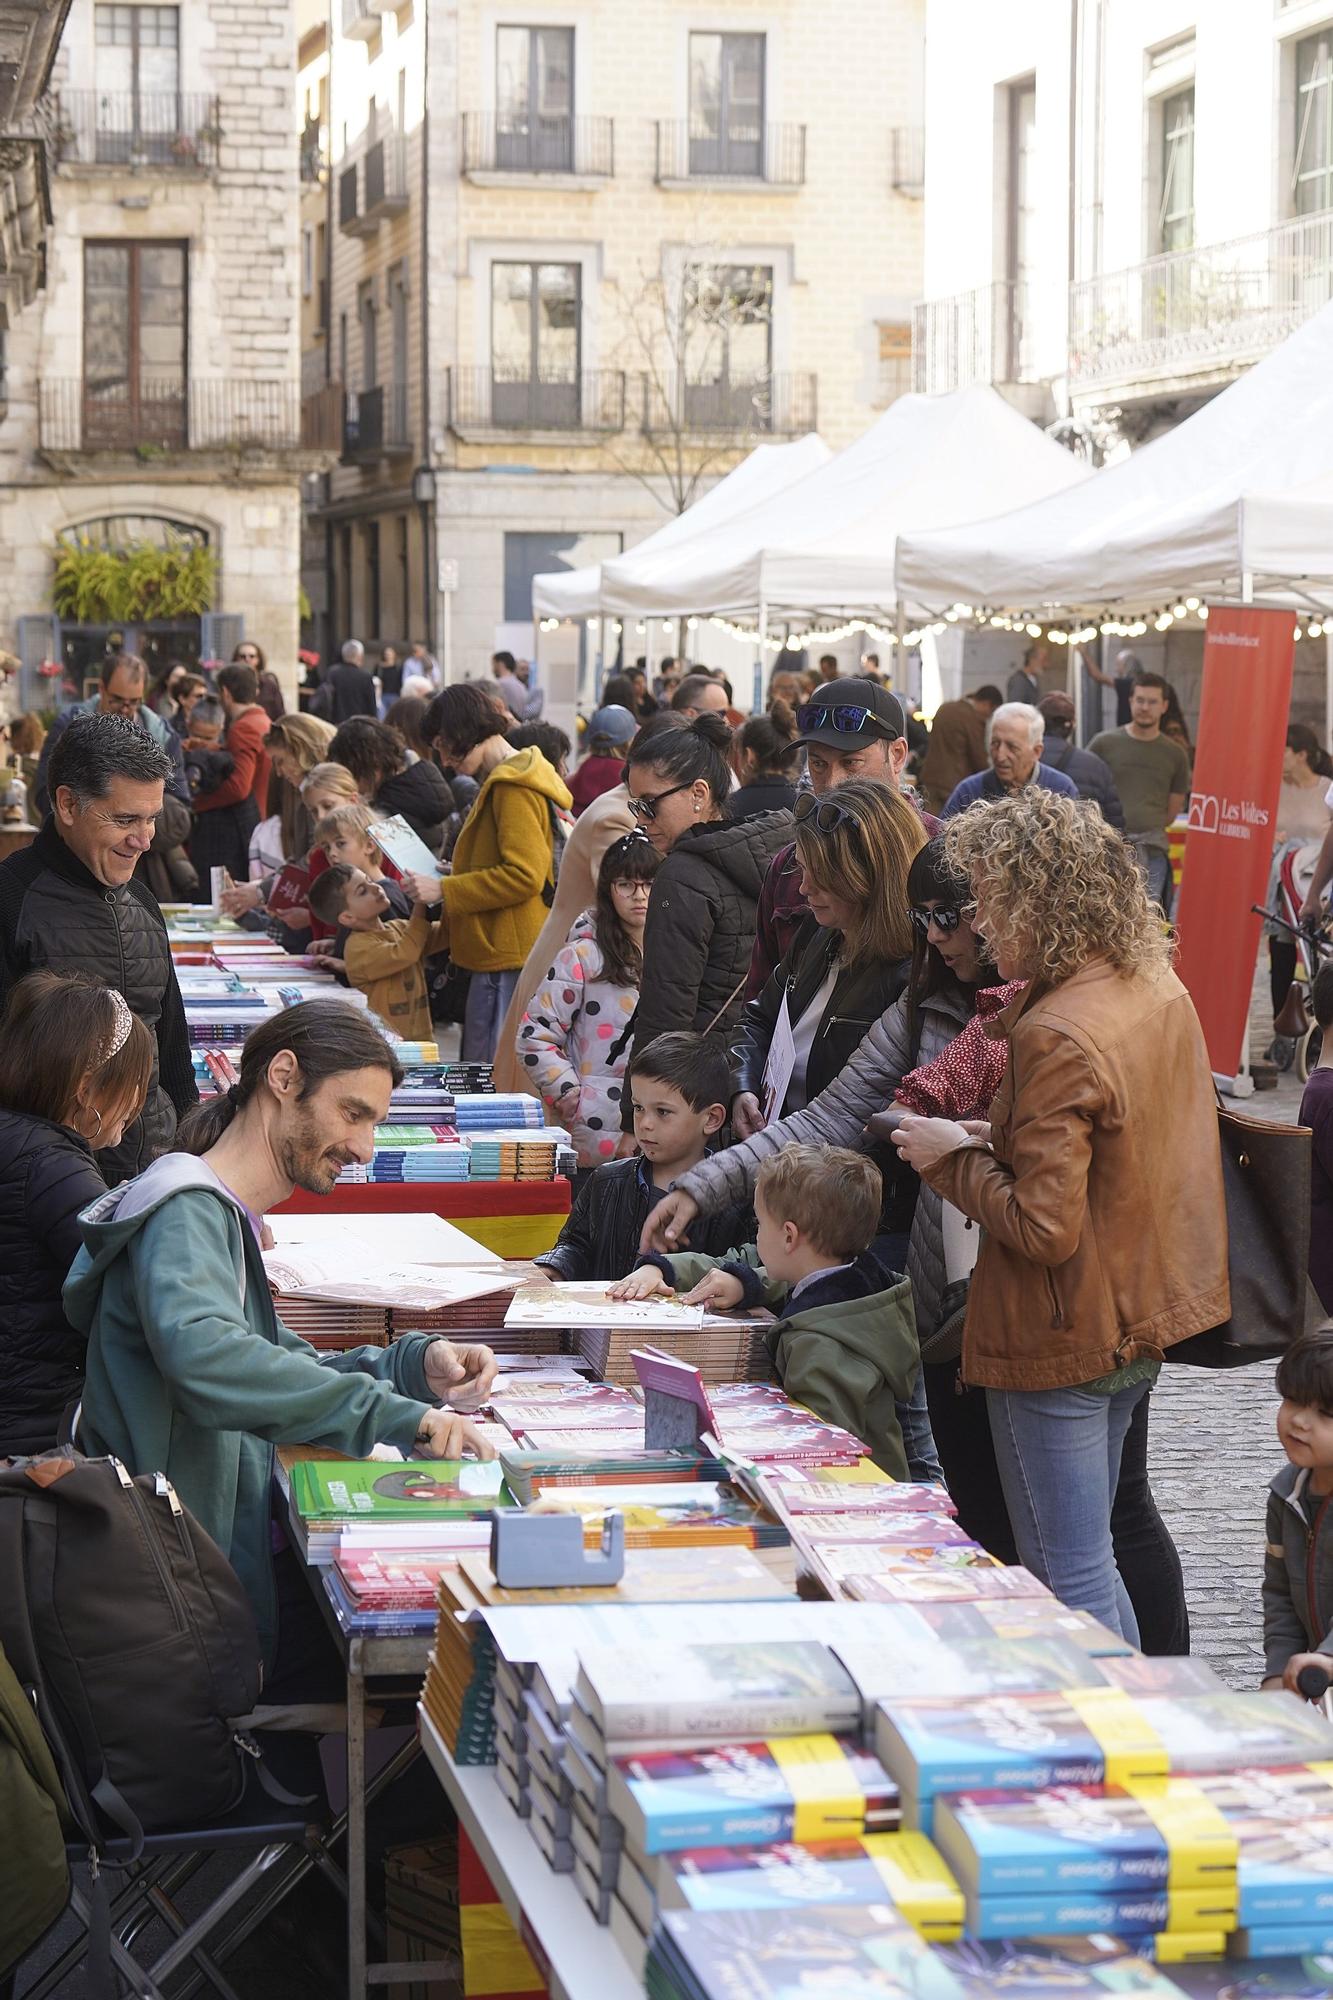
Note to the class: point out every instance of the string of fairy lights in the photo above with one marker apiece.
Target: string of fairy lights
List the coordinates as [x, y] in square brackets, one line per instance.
[1109, 625]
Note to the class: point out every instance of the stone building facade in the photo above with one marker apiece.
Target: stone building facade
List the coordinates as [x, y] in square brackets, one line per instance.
[154, 389]
[649, 237]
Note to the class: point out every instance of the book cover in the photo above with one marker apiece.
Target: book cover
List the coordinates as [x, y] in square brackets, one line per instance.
[802, 1490]
[1065, 1968]
[1283, 1822]
[907, 1529]
[845, 1953]
[844, 1559]
[992, 1666]
[746, 1794]
[587, 1304]
[1073, 1839]
[652, 1576]
[403, 846]
[930, 1585]
[673, 1516]
[326, 1489]
[717, 1693]
[1080, 1913]
[788, 1876]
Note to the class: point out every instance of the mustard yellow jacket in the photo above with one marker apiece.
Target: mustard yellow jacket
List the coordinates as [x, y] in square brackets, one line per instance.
[493, 901]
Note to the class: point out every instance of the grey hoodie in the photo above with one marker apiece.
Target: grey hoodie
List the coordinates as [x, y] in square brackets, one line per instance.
[1298, 1573]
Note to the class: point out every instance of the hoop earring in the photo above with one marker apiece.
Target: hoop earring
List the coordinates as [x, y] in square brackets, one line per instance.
[90, 1136]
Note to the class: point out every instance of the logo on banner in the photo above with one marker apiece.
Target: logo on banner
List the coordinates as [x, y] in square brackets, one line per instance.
[1234, 819]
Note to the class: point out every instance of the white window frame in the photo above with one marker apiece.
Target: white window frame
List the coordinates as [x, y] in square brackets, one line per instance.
[483, 252]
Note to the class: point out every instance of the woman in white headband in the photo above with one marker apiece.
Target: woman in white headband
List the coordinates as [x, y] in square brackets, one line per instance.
[74, 1071]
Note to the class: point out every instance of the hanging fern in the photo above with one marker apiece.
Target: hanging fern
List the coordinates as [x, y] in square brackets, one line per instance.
[94, 585]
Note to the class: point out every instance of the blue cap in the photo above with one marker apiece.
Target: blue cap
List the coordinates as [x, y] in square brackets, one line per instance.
[614, 723]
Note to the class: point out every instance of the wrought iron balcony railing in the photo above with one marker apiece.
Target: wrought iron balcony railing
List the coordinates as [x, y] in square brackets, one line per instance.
[512, 145]
[163, 131]
[486, 399]
[772, 154]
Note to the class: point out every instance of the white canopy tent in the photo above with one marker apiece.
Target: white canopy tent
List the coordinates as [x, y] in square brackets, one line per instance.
[826, 545]
[769, 469]
[1237, 501]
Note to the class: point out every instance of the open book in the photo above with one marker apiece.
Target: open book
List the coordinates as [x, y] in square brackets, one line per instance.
[398, 843]
[356, 1275]
[397, 1238]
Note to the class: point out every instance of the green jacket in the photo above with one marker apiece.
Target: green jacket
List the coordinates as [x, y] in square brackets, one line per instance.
[848, 1352]
[191, 1372]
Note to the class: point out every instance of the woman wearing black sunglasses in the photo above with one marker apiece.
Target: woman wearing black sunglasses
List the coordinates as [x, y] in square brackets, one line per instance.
[702, 916]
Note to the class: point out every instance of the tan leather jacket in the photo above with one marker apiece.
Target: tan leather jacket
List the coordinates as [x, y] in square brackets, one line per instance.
[1101, 1193]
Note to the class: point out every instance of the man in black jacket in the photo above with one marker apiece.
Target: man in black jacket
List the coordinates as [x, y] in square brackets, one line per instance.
[72, 901]
[1084, 768]
[351, 689]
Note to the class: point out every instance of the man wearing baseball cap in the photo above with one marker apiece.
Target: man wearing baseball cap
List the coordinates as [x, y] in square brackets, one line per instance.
[1091, 773]
[850, 729]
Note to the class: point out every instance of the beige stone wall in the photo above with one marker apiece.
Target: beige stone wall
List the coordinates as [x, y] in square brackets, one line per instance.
[241, 224]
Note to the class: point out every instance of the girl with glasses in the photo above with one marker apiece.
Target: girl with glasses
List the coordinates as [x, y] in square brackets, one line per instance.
[574, 1039]
[704, 906]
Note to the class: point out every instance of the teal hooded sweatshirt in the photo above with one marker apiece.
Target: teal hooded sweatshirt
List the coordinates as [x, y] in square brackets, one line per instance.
[192, 1373]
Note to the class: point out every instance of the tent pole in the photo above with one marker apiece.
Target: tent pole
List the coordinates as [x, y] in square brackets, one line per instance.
[757, 701]
[898, 679]
[1328, 686]
[648, 647]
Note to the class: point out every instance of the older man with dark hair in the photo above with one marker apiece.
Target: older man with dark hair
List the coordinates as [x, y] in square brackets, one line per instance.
[72, 901]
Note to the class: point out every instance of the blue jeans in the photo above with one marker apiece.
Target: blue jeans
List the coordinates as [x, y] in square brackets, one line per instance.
[1058, 1451]
[923, 1460]
[488, 997]
[1156, 865]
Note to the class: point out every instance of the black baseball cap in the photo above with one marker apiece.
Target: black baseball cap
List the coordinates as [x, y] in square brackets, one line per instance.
[843, 710]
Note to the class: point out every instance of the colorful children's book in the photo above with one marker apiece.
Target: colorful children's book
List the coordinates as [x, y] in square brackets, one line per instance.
[326, 1489]
[1086, 1737]
[1081, 1913]
[787, 1876]
[716, 1694]
[1075, 1839]
[745, 1794]
[934, 1584]
[845, 1953]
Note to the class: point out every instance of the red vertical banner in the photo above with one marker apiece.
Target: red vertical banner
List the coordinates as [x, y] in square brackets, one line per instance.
[1247, 659]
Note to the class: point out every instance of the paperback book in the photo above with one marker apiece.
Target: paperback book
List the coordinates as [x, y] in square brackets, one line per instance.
[1080, 1838]
[790, 1876]
[717, 1693]
[847, 1952]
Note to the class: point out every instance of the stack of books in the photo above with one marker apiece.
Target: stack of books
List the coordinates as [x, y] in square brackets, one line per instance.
[1031, 1742]
[537, 1154]
[530, 1471]
[439, 1160]
[725, 1347]
[489, 1110]
[420, 1497]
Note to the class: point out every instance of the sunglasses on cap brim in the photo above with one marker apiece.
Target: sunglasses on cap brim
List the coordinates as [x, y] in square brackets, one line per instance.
[846, 718]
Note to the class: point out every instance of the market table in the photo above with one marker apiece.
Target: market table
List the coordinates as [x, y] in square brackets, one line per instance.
[577, 1956]
[516, 1219]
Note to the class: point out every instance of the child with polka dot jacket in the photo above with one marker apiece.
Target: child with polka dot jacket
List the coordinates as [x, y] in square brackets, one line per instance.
[574, 1040]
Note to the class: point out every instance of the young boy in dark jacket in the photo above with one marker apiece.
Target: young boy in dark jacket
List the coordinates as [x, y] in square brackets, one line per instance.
[679, 1087]
[1298, 1557]
[845, 1340]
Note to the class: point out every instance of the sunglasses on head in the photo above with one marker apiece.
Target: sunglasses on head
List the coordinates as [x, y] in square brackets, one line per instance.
[946, 920]
[847, 718]
[825, 815]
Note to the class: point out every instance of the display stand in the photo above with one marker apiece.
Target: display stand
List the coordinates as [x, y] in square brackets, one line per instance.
[578, 1957]
[516, 1219]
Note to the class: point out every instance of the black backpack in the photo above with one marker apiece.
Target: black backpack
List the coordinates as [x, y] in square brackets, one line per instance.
[130, 1632]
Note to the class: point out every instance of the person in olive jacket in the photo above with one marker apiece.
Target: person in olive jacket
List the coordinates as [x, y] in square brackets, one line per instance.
[705, 900]
[74, 1071]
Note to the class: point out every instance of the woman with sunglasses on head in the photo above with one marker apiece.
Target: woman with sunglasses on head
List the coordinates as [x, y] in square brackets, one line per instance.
[74, 1071]
[704, 905]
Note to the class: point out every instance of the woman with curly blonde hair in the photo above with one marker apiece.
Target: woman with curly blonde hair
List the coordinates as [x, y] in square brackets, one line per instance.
[1097, 1183]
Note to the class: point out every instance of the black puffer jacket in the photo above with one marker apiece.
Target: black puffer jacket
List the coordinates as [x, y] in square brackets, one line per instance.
[47, 1174]
[54, 912]
[600, 1239]
[423, 798]
[701, 925]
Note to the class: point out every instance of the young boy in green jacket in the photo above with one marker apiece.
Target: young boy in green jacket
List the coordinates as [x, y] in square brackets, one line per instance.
[845, 1340]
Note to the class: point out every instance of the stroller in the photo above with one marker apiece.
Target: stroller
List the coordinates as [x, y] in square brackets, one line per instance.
[1297, 1039]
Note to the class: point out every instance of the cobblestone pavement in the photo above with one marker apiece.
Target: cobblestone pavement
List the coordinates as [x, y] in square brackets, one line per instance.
[1213, 1450]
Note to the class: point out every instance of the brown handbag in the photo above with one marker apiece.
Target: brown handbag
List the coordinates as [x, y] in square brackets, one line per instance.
[1266, 1177]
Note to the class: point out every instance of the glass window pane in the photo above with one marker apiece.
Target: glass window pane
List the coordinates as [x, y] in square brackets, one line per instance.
[159, 71]
[511, 76]
[511, 322]
[1313, 166]
[161, 313]
[106, 314]
[1177, 205]
[705, 86]
[558, 322]
[555, 72]
[743, 86]
[113, 27]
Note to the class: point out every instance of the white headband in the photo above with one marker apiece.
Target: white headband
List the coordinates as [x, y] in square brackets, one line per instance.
[120, 1034]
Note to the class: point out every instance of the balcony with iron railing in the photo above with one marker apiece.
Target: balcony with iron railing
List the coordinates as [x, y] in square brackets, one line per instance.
[487, 400]
[908, 167]
[511, 148]
[1195, 317]
[972, 338]
[386, 177]
[375, 424]
[764, 156]
[763, 406]
[158, 132]
[157, 418]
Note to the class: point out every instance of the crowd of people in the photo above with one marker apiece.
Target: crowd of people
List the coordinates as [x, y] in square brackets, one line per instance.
[876, 1027]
